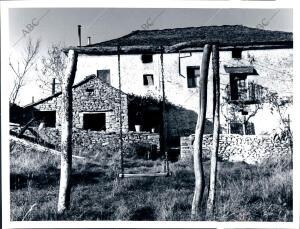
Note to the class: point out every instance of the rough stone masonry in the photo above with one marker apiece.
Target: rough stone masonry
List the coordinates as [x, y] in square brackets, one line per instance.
[251, 149]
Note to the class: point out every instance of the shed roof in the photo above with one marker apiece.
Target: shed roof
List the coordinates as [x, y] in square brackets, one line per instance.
[85, 80]
[227, 36]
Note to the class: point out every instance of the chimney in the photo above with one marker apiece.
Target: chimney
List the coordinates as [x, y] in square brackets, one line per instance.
[79, 35]
[53, 86]
[32, 99]
[89, 41]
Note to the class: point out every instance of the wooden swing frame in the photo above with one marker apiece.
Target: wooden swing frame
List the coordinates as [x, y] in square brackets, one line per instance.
[166, 172]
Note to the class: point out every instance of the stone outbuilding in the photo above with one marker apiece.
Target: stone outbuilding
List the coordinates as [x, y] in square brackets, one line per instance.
[96, 106]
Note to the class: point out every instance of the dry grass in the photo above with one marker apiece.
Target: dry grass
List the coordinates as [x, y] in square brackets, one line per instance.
[244, 192]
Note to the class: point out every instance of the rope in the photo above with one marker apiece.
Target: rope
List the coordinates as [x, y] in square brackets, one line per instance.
[120, 115]
[163, 111]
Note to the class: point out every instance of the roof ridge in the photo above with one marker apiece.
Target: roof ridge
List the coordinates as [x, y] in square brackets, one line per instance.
[86, 79]
[78, 84]
[114, 39]
[226, 35]
[191, 27]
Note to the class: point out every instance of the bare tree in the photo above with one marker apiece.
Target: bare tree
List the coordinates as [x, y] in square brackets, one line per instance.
[247, 116]
[66, 134]
[198, 162]
[52, 66]
[240, 113]
[22, 67]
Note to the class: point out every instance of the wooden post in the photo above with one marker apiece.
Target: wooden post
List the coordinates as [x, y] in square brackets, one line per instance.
[216, 131]
[24, 128]
[244, 125]
[66, 134]
[198, 163]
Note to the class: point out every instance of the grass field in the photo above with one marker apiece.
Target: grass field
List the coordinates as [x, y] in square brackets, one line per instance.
[244, 192]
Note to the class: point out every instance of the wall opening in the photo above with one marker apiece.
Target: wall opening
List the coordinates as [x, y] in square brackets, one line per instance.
[147, 58]
[47, 117]
[94, 121]
[236, 127]
[89, 90]
[236, 53]
[193, 72]
[148, 79]
[104, 75]
[238, 87]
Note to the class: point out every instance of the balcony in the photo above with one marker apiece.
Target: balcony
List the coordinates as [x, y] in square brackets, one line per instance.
[244, 94]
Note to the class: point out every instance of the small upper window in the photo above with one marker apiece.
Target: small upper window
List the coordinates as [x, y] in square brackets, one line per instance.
[147, 58]
[193, 72]
[104, 75]
[237, 53]
[89, 90]
[148, 79]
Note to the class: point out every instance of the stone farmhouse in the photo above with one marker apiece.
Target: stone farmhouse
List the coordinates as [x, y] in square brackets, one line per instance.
[152, 63]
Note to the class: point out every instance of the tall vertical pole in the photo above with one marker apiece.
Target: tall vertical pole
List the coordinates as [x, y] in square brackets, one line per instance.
[120, 113]
[216, 131]
[53, 86]
[66, 134]
[164, 129]
[198, 162]
[79, 35]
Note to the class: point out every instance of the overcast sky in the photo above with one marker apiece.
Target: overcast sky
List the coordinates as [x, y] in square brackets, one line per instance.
[53, 25]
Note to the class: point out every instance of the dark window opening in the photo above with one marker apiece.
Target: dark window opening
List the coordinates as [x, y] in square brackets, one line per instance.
[94, 121]
[147, 58]
[193, 72]
[90, 90]
[148, 79]
[237, 53]
[47, 117]
[238, 88]
[104, 75]
[237, 128]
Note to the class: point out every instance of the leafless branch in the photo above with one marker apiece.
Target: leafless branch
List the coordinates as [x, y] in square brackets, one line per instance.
[52, 66]
[257, 107]
[31, 51]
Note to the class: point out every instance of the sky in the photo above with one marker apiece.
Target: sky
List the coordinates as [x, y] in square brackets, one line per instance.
[59, 25]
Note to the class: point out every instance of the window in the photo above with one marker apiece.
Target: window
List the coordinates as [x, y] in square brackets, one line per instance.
[238, 88]
[147, 58]
[104, 75]
[193, 72]
[94, 121]
[47, 117]
[237, 128]
[148, 79]
[89, 90]
[237, 53]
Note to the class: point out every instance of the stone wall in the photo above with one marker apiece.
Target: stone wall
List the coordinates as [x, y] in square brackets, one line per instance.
[101, 145]
[92, 95]
[251, 149]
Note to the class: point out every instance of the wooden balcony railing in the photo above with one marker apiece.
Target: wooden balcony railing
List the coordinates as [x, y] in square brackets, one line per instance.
[251, 94]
